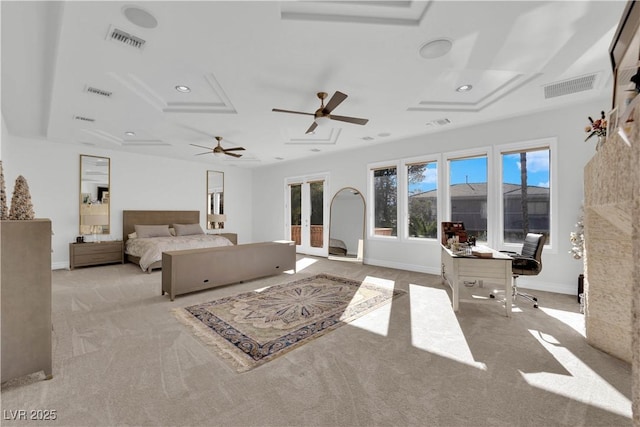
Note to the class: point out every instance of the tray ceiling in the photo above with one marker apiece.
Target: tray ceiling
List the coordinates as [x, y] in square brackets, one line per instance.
[104, 74]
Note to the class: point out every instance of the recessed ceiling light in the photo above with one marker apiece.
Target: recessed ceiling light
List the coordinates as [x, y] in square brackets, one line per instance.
[183, 89]
[139, 17]
[435, 48]
[129, 133]
[464, 88]
[384, 134]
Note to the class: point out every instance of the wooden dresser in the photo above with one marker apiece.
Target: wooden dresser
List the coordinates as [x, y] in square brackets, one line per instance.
[87, 254]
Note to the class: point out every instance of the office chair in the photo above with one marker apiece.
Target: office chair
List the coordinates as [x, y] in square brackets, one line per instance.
[527, 263]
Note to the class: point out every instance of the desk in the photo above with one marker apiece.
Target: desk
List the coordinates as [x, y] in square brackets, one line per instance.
[458, 268]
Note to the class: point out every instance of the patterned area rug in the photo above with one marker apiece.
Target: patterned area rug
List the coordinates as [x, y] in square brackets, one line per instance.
[255, 327]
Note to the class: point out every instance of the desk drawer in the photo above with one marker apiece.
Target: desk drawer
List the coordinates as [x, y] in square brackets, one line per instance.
[485, 268]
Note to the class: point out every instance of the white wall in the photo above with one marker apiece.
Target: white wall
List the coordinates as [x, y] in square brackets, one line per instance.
[346, 169]
[137, 182]
[254, 200]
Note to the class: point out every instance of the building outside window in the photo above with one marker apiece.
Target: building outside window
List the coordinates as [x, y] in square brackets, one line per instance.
[468, 194]
[525, 194]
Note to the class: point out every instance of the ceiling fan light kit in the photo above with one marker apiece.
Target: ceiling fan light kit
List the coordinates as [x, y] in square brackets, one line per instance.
[323, 114]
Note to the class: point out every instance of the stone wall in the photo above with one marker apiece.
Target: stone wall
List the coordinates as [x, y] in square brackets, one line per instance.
[612, 252]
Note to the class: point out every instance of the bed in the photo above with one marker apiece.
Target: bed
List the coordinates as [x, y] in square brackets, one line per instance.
[147, 251]
[337, 247]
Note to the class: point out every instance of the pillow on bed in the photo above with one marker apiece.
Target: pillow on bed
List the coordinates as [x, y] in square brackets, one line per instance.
[152, 231]
[187, 229]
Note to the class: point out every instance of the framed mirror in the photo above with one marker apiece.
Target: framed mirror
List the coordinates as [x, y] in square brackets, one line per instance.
[346, 227]
[95, 195]
[215, 200]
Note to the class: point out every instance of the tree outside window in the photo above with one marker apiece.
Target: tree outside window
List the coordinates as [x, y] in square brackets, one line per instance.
[385, 185]
[526, 194]
[422, 200]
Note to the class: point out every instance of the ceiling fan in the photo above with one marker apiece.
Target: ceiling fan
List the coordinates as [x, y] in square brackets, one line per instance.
[218, 151]
[323, 114]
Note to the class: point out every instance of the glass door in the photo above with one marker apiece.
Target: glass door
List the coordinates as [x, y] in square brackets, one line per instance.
[307, 214]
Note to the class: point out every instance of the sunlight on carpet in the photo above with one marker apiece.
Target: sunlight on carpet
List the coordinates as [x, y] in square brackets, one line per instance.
[378, 321]
[303, 263]
[435, 327]
[573, 320]
[583, 384]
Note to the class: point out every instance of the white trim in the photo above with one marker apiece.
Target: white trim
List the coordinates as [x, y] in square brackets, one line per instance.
[402, 266]
[371, 197]
[523, 282]
[60, 265]
[403, 189]
[558, 288]
[460, 155]
[326, 202]
[551, 143]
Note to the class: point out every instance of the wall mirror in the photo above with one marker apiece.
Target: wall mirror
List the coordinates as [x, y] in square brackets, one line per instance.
[346, 227]
[215, 200]
[95, 195]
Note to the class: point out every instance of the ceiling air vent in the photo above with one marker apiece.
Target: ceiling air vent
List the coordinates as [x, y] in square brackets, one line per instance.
[100, 92]
[119, 36]
[439, 122]
[567, 87]
[84, 119]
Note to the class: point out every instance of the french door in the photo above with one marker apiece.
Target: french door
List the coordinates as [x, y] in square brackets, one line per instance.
[306, 214]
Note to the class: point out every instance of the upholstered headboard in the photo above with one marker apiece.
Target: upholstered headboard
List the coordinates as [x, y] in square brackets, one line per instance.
[131, 218]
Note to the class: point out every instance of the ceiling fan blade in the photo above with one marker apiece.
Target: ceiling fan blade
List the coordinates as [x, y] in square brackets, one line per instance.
[233, 154]
[354, 120]
[335, 100]
[313, 127]
[278, 110]
[233, 149]
[200, 154]
[200, 146]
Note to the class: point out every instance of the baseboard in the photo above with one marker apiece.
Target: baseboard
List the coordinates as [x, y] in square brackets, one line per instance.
[524, 283]
[60, 265]
[402, 266]
[558, 288]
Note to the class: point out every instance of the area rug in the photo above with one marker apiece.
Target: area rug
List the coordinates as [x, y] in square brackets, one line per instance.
[252, 328]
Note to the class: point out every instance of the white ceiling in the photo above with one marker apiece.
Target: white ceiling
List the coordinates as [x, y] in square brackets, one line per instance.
[241, 59]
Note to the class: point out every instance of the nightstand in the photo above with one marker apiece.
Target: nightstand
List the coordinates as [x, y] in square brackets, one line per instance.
[86, 254]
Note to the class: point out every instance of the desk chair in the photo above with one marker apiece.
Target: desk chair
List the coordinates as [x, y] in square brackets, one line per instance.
[527, 263]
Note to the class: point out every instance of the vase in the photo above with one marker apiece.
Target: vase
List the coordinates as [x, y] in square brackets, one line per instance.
[601, 140]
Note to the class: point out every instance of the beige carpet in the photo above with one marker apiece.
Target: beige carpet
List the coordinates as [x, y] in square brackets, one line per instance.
[252, 328]
[121, 358]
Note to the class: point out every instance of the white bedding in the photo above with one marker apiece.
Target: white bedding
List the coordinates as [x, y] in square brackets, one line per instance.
[149, 249]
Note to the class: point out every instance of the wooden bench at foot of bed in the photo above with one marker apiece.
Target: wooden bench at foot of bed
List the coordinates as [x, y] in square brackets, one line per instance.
[198, 269]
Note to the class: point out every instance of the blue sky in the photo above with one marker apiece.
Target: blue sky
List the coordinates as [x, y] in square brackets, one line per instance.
[475, 170]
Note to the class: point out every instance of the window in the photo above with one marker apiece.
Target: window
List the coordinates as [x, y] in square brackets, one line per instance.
[525, 193]
[499, 192]
[468, 194]
[422, 199]
[385, 201]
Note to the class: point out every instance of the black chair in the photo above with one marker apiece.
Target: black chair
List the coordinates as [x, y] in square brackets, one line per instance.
[527, 263]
